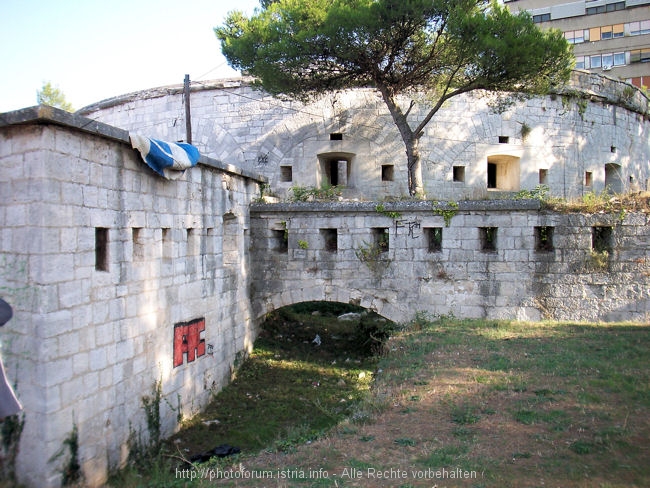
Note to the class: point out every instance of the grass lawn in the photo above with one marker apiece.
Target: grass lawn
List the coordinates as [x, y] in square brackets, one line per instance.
[453, 403]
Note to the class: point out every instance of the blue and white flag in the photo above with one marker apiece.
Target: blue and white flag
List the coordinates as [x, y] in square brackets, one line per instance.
[168, 159]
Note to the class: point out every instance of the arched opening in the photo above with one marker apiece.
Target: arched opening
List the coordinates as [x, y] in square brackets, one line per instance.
[307, 372]
[503, 173]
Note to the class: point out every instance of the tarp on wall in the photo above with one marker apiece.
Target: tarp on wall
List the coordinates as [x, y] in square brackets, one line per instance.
[168, 159]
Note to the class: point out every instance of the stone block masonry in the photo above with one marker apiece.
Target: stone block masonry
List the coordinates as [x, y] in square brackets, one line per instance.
[123, 282]
[118, 283]
[498, 259]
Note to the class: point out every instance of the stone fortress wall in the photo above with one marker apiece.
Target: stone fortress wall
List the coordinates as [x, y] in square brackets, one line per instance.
[120, 281]
[593, 133]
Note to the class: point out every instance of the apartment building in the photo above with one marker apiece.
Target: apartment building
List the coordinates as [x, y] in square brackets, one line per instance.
[609, 36]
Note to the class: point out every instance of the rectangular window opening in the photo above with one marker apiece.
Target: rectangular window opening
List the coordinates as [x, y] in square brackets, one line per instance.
[381, 238]
[488, 236]
[280, 240]
[166, 243]
[192, 248]
[544, 239]
[336, 136]
[434, 238]
[286, 174]
[387, 172]
[101, 248]
[138, 243]
[601, 238]
[543, 176]
[209, 241]
[459, 173]
[589, 178]
[330, 239]
[504, 139]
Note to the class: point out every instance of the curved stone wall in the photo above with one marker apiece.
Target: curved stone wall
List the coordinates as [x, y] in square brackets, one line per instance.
[593, 134]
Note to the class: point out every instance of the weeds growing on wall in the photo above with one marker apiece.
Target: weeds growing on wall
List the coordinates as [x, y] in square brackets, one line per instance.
[374, 256]
[446, 210]
[11, 429]
[379, 208]
[71, 470]
[312, 193]
[142, 452]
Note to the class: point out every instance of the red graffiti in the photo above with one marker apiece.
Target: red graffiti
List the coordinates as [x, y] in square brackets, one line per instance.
[188, 340]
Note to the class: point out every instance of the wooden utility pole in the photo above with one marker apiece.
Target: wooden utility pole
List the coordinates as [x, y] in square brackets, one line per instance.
[188, 115]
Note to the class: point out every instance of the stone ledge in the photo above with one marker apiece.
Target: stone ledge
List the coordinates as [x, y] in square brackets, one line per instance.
[44, 114]
[405, 206]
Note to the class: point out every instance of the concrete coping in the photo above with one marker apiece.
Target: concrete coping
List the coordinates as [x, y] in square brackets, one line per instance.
[44, 114]
[504, 205]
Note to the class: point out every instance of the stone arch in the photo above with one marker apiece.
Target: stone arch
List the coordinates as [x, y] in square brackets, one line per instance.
[330, 293]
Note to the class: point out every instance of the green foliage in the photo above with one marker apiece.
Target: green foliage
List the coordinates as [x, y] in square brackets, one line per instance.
[446, 210]
[374, 256]
[302, 49]
[540, 192]
[53, 96]
[11, 429]
[151, 406]
[71, 471]
[303, 244]
[598, 260]
[379, 208]
[311, 193]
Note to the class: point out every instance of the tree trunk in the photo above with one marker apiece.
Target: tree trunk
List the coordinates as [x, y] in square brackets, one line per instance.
[414, 165]
[411, 141]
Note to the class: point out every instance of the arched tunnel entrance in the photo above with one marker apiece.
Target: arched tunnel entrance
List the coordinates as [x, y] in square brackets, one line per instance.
[311, 367]
[333, 328]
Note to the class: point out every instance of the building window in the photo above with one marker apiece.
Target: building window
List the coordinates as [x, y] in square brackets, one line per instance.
[286, 174]
[640, 56]
[504, 139]
[580, 62]
[589, 178]
[541, 18]
[381, 239]
[101, 249]
[544, 239]
[619, 59]
[638, 28]
[610, 7]
[488, 236]
[387, 172]
[330, 239]
[434, 238]
[595, 61]
[459, 173]
[601, 239]
[543, 176]
[336, 136]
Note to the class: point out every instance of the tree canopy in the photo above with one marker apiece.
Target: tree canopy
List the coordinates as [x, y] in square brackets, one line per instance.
[53, 96]
[302, 48]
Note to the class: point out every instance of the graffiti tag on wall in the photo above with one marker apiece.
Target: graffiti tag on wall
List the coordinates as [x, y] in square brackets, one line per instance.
[188, 341]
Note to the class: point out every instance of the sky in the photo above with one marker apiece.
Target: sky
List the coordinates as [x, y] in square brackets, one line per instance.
[97, 49]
